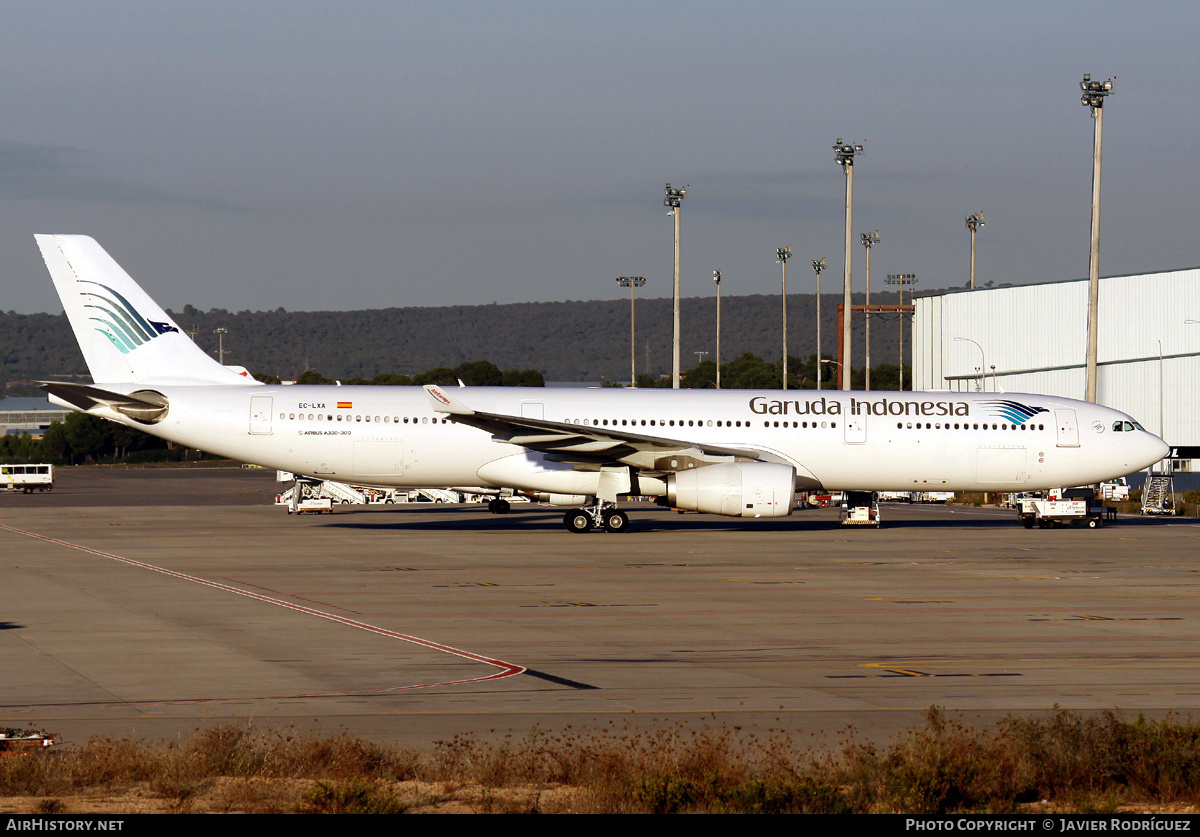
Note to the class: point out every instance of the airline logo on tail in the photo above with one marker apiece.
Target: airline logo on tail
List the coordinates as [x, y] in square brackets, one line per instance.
[119, 321]
[1014, 411]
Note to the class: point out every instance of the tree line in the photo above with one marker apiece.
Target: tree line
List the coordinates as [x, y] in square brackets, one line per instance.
[749, 371]
[565, 341]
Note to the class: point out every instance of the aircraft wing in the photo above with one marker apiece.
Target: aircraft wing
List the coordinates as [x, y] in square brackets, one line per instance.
[590, 445]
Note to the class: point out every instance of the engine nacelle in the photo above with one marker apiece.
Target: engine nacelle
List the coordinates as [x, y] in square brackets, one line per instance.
[735, 489]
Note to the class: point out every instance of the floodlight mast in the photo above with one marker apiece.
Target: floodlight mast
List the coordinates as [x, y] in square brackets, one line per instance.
[869, 240]
[674, 200]
[783, 254]
[631, 282]
[1094, 94]
[902, 279]
[844, 153]
[974, 222]
[717, 279]
[818, 265]
[221, 332]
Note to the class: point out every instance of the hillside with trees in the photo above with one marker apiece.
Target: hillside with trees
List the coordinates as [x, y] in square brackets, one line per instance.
[565, 341]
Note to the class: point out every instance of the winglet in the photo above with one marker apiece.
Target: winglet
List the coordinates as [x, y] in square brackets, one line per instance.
[444, 403]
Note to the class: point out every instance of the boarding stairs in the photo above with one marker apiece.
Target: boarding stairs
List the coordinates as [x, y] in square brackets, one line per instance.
[1158, 495]
[310, 489]
[339, 492]
[438, 495]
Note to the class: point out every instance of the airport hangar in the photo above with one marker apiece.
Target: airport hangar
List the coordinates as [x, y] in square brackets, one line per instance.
[1033, 338]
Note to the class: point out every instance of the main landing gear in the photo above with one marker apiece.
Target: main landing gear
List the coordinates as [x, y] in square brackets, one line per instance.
[498, 505]
[602, 515]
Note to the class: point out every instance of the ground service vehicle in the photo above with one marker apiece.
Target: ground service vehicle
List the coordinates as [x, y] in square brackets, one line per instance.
[1071, 505]
[860, 508]
[27, 478]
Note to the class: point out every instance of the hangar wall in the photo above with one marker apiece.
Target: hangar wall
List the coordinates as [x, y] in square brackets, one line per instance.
[1033, 338]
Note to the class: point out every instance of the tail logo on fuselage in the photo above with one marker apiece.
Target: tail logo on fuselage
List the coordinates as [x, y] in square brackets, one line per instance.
[123, 325]
[1014, 411]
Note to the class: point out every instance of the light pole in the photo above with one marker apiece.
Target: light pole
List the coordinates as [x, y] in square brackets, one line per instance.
[983, 363]
[868, 241]
[831, 361]
[717, 279]
[902, 279]
[844, 156]
[1162, 431]
[818, 265]
[974, 222]
[674, 200]
[783, 254]
[631, 282]
[1094, 94]
[220, 332]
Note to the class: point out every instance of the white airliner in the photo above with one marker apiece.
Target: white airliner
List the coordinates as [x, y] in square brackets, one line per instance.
[740, 453]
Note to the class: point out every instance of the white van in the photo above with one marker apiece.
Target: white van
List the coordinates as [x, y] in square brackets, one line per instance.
[27, 478]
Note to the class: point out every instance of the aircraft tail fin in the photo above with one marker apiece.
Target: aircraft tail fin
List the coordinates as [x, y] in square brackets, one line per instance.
[124, 335]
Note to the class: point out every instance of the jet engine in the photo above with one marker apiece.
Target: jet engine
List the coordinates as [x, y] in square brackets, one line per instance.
[736, 489]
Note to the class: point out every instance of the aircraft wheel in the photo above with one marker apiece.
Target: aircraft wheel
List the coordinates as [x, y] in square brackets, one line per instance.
[616, 521]
[577, 521]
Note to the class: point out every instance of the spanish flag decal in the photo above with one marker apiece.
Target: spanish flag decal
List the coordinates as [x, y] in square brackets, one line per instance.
[345, 405]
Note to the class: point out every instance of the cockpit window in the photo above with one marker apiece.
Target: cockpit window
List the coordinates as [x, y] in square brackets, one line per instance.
[1118, 426]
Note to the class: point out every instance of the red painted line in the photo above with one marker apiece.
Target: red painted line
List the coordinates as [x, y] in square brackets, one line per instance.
[506, 669]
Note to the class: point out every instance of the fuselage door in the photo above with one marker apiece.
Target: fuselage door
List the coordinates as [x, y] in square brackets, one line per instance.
[1068, 428]
[260, 415]
[856, 430]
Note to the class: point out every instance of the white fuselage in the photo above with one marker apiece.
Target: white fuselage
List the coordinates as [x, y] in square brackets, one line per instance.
[392, 436]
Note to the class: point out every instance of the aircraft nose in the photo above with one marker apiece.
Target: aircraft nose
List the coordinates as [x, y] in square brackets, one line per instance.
[1156, 449]
[1164, 448]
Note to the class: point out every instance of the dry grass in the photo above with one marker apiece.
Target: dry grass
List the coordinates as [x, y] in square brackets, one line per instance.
[1063, 761]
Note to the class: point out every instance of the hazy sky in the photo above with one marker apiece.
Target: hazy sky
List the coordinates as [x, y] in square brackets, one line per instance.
[347, 155]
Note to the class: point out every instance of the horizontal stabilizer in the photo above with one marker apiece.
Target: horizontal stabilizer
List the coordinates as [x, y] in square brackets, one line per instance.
[144, 407]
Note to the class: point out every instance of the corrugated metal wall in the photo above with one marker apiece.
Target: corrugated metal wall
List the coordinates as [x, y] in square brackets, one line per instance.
[1036, 338]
